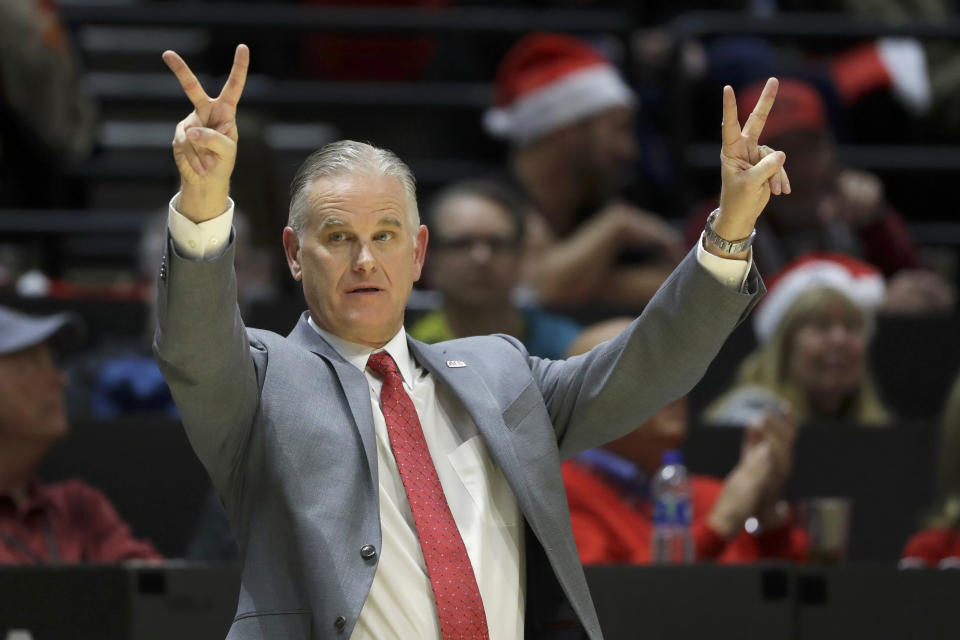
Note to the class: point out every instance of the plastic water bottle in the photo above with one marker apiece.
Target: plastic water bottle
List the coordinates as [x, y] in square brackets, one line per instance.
[672, 512]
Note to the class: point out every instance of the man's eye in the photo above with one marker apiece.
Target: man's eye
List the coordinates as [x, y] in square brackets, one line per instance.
[338, 236]
[383, 236]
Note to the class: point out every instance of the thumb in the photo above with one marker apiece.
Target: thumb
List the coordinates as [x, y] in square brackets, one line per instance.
[767, 168]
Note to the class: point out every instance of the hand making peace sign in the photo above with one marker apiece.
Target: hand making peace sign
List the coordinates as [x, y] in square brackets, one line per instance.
[750, 172]
[205, 142]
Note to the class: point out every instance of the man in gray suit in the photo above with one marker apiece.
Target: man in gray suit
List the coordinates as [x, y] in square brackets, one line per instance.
[380, 487]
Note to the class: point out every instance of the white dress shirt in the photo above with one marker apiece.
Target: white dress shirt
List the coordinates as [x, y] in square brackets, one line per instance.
[401, 603]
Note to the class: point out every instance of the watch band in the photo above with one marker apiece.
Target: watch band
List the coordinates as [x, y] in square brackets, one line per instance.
[727, 246]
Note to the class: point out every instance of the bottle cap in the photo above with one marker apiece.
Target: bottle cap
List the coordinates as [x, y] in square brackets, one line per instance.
[673, 456]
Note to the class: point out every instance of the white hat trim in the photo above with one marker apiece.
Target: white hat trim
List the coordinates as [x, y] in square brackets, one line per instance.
[866, 291]
[906, 62]
[578, 95]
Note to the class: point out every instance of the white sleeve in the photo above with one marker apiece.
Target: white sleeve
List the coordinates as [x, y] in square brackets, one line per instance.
[199, 241]
[731, 272]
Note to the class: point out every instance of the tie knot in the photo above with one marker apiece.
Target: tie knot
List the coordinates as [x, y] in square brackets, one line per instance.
[382, 364]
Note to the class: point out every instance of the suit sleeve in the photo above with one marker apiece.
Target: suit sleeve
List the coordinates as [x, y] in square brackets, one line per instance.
[205, 356]
[611, 390]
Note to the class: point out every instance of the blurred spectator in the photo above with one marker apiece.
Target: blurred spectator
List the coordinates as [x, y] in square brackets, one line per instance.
[739, 519]
[65, 522]
[475, 252]
[568, 116]
[813, 329]
[939, 544]
[47, 121]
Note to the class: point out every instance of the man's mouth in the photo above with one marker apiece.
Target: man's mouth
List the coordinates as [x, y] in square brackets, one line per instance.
[365, 290]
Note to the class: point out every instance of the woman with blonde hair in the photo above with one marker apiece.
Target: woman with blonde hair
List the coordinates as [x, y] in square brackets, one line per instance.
[813, 329]
[939, 544]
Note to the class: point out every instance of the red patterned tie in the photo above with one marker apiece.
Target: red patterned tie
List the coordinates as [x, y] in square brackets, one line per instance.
[455, 590]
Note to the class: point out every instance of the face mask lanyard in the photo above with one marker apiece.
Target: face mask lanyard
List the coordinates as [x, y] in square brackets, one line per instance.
[52, 550]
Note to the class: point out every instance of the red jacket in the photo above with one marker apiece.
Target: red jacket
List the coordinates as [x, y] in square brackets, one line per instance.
[610, 530]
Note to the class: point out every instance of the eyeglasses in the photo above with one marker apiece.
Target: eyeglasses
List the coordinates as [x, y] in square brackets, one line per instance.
[495, 244]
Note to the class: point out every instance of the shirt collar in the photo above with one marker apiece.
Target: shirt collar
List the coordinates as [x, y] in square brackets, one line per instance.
[357, 354]
[37, 498]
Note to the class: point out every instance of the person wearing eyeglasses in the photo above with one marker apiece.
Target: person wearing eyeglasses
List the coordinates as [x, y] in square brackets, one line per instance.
[475, 258]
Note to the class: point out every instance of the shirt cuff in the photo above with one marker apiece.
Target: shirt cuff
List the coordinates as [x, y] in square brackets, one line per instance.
[730, 272]
[199, 241]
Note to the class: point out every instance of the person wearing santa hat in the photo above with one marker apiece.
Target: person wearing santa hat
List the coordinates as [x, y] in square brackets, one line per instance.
[568, 117]
[813, 330]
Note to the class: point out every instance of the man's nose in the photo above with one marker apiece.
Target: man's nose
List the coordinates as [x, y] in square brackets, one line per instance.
[363, 259]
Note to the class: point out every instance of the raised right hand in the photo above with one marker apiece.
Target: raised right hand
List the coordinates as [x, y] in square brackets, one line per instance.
[205, 142]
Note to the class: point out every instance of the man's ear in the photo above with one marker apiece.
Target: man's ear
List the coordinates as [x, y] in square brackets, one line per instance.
[291, 248]
[420, 251]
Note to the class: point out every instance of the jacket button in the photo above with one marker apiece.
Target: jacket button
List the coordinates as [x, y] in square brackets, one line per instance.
[340, 623]
[368, 552]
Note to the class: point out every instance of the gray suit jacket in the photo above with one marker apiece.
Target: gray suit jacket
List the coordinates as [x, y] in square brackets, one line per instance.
[285, 429]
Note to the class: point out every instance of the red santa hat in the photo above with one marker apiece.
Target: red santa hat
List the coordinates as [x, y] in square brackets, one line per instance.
[855, 279]
[549, 80]
[899, 64]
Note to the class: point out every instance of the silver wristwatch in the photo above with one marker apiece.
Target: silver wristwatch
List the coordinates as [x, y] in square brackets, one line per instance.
[727, 246]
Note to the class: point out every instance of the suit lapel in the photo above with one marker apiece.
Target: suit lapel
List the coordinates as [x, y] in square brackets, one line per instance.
[352, 382]
[472, 391]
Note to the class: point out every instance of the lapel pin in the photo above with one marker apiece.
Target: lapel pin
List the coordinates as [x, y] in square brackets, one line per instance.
[455, 364]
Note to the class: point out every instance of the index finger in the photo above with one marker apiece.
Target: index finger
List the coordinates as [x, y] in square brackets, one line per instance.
[730, 127]
[238, 76]
[758, 117]
[191, 86]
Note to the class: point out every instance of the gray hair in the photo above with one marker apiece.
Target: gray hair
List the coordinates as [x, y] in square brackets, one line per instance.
[346, 157]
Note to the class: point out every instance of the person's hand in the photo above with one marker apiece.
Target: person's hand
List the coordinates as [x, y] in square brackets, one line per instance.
[744, 485]
[857, 199]
[755, 485]
[916, 291]
[749, 172]
[780, 430]
[205, 142]
[636, 228]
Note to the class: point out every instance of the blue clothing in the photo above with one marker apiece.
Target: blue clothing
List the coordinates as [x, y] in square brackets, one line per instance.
[131, 384]
[548, 335]
[624, 474]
